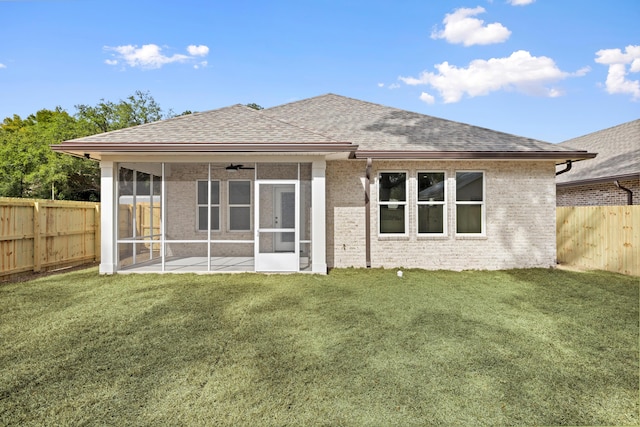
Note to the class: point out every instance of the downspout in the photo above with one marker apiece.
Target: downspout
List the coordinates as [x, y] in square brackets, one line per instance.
[367, 212]
[566, 169]
[629, 192]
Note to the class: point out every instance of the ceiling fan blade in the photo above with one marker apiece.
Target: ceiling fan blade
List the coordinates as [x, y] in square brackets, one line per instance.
[236, 167]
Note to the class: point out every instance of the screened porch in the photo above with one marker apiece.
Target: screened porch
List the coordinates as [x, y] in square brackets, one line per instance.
[213, 217]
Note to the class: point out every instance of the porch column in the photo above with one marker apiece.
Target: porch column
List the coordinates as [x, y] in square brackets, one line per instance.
[107, 218]
[319, 218]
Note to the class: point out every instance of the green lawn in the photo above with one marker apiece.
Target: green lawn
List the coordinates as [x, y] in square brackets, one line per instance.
[356, 347]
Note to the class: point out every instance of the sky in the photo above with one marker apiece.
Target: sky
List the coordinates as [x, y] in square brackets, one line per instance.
[545, 69]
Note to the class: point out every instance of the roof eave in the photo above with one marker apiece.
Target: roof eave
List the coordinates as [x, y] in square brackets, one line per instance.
[475, 155]
[75, 148]
[600, 180]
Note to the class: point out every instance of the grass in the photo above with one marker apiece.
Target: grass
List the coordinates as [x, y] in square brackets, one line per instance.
[356, 347]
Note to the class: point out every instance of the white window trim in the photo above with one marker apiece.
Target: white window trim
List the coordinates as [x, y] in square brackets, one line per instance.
[247, 205]
[212, 205]
[483, 210]
[404, 203]
[443, 203]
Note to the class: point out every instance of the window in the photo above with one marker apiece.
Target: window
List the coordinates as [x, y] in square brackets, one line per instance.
[470, 202]
[431, 203]
[392, 201]
[203, 202]
[239, 205]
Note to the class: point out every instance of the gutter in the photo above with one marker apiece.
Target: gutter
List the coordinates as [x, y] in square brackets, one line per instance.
[162, 148]
[474, 155]
[629, 192]
[566, 169]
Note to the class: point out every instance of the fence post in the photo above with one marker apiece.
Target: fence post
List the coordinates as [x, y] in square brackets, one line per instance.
[36, 236]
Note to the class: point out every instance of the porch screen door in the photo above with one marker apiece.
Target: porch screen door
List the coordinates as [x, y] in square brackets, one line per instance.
[277, 232]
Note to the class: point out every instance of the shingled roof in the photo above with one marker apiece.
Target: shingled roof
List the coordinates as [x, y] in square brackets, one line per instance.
[377, 128]
[321, 124]
[618, 151]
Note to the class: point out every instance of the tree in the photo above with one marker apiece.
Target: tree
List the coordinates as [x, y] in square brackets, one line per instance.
[255, 106]
[137, 109]
[29, 168]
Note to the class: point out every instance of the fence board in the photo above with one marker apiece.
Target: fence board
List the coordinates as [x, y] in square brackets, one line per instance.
[45, 234]
[599, 237]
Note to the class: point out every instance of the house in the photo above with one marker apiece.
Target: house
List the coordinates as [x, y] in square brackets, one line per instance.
[323, 182]
[613, 178]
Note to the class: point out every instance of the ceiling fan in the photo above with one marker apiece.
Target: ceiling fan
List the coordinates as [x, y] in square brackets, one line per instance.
[233, 167]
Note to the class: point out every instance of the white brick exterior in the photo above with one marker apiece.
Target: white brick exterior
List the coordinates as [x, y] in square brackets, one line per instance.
[519, 201]
[181, 211]
[602, 194]
[520, 218]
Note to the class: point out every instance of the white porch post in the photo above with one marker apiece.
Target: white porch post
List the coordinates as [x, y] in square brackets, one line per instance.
[318, 216]
[107, 218]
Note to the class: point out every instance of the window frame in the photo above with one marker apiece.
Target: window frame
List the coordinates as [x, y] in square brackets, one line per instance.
[404, 203]
[482, 204]
[241, 205]
[443, 203]
[208, 205]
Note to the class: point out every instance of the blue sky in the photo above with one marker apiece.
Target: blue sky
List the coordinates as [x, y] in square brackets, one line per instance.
[545, 69]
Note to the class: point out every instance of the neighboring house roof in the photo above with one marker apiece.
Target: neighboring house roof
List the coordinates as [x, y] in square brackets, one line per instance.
[618, 151]
[327, 123]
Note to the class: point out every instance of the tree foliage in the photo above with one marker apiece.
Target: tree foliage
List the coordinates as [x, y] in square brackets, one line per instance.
[137, 109]
[29, 168]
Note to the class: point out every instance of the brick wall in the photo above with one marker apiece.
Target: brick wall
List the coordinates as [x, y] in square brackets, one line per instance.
[181, 207]
[604, 194]
[520, 218]
[181, 211]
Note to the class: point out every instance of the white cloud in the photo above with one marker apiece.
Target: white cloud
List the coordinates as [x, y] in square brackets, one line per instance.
[521, 72]
[201, 50]
[520, 2]
[617, 81]
[202, 64]
[150, 56]
[460, 27]
[390, 87]
[582, 71]
[2, 65]
[429, 99]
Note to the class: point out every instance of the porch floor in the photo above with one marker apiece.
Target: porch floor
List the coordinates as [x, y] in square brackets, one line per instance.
[199, 265]
[194, 265]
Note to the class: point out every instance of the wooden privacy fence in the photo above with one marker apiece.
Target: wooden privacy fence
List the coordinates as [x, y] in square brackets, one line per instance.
[599, 237]
[38, 235]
